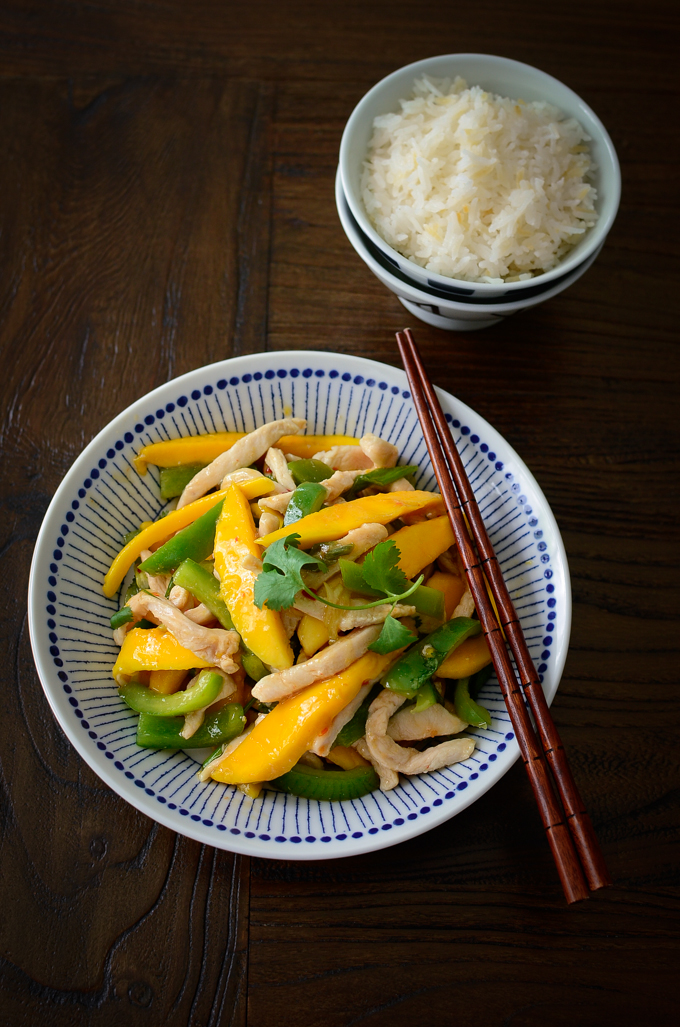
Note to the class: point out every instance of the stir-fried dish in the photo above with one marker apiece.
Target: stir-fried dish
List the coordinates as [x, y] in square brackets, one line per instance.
[301, 613]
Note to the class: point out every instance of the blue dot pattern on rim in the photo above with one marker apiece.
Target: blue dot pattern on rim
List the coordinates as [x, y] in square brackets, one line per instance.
[84, 675]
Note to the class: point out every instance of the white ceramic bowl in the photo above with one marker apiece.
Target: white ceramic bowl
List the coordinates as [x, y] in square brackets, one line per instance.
[102, 497]
[507, 78]
[433, 305]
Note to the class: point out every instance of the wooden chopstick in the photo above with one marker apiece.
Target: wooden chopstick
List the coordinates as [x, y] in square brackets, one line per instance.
[460, 503]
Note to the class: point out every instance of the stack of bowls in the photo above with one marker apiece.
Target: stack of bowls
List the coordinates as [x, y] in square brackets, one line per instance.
[453, 303]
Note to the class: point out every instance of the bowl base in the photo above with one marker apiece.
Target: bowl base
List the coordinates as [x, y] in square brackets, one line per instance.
[429, 313]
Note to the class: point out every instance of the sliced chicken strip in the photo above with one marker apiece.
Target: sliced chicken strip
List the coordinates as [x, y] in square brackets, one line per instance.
[158, 583]
[381, 453]
[278, 465]
[214, 645]
[398, 758]
[339, 482]
[192, 721]
[345, 458]
[269, 521]
[409, 726]
[200, 615]
[466, 606]
[120, 633]
[401, 485]
[291, 618]
[278, 503]
[181, 598]
[389, 778]
[312, 607]
[243, 453]
[323, 743]
[363, 538]
[329, 661]
[376, 615]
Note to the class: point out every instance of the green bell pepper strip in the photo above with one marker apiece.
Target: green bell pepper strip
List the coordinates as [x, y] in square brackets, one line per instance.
[381, 476]
[429, 602]
[253, 665]
[417, 665]
[165, 732]
[427, 696]
[144, 700]
[478, 680]
[125, 615]
[353, 579]
[205, 587]
[141, 582]
[355, 728]
[122, 616]
[307, 499]
[175, 479]
[467, 709]
[309, 470]
[197, 541]
[329, 785]
[329, 552]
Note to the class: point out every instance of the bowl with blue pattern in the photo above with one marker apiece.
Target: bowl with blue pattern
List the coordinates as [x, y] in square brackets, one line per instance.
[102, 497]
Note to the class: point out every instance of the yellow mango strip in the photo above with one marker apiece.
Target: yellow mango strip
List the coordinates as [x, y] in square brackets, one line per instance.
[277, 742]
[467, 659]
[166, 681]
[312, 633]
[305, 446]
[236, 554]
[452, 588]
[159, 531]
[346, 757]
[420, 544]
[333, 522]
[203, 449]
[154, 649]
[196, 449]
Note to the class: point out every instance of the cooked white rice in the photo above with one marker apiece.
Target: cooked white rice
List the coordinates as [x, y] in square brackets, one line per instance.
[476, 186]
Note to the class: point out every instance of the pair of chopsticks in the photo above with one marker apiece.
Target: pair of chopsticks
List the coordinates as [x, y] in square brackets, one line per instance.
[576, 851]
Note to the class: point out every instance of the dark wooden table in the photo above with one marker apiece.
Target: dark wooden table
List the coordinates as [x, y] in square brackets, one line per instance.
[167, 201]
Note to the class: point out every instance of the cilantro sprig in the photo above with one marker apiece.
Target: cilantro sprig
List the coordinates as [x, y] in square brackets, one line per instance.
[281, 581]
[281, 577]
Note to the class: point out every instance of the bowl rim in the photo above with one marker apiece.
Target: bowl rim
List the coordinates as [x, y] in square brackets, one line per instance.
[596, 235]
[59, 702]
[365, 248]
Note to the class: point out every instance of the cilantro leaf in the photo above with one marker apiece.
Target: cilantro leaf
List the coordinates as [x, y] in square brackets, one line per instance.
[381, 476]
[277, 590]
[394, 635]
[380, 569]
[281, 577]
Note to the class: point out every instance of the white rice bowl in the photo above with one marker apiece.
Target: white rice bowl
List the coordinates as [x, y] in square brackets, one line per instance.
[478, 187]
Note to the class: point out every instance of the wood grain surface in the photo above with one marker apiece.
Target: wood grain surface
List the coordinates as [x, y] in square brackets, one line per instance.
[166, 201]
